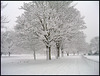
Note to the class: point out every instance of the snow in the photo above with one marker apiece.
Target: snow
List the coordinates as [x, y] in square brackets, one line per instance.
[67, 65]
[94, 58]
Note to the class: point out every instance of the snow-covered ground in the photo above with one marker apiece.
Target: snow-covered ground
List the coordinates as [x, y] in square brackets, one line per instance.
[94, 58]
[67, 65]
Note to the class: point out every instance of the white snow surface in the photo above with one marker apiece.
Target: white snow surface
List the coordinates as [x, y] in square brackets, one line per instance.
[94, 58]
[67, 65]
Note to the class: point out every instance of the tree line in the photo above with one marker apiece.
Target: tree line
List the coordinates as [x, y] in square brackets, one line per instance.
[48, 23]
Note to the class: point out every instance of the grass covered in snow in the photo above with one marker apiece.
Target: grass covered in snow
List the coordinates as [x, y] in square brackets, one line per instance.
[94, 58]
[67, 65]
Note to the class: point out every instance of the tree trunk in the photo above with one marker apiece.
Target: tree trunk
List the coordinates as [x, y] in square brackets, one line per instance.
[67, 54]
[58, 52]
[34, 55]
[62, 53]
[9, 53]
[47, 52]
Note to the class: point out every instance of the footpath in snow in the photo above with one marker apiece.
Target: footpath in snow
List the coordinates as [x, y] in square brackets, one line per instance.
[69, 65]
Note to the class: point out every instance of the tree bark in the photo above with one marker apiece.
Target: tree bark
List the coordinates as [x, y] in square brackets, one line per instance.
[9, 53]
[49, 53]
[58, 52]
[34, 55]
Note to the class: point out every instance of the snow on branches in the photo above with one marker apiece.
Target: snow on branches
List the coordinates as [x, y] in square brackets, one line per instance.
[50, 21]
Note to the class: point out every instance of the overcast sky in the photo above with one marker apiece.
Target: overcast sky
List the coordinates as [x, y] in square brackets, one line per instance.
[89, 9]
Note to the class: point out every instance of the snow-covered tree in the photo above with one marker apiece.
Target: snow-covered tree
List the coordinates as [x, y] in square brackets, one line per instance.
[49, 21]
[76, 44]
[3, 38]
[3, 17]
[7, 41]
[82, 46]
[94, 45]
[71, 20]
[40, 19]
[27, 42]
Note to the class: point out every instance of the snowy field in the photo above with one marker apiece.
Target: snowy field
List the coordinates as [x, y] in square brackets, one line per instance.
[94, 58]
[67, 65]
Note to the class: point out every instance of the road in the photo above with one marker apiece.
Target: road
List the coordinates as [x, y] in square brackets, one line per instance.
[69, 65]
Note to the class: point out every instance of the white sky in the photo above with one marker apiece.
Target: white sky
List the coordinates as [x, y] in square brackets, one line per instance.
[89, 9]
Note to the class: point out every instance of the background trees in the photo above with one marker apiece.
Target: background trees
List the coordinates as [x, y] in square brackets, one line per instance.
[76, 44]
[3, 17]
[27, 42]
[71, 20]
[7, 41]
[94, 45]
